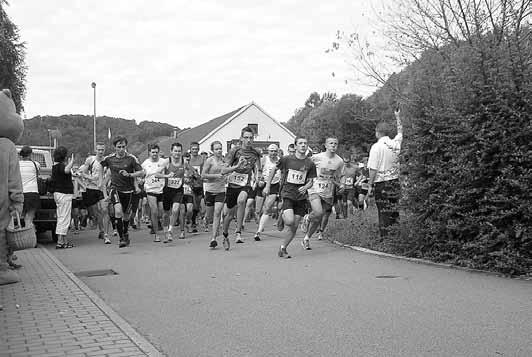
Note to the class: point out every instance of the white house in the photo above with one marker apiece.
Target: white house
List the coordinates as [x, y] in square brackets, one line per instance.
[226, 129]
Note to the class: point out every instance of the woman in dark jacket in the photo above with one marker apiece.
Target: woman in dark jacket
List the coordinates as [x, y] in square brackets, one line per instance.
[63, 191]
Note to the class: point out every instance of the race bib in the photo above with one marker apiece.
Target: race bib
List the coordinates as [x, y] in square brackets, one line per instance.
[324, 187]
[175, 182]
[238, 179]
[349, 181]
[187, 190]
[365, 186]
[153, 180]
[296, 177]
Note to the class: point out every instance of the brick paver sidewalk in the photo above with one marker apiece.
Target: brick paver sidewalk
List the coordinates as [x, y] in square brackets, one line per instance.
[52, 313]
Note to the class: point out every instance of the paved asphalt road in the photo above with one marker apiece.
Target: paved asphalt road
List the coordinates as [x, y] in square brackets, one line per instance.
[192, 301]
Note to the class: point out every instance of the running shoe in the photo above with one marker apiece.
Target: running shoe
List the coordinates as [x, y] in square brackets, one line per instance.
[320, 235]
[106, 239]
[306, 243]
[213, 243]
[182, 235]
[115, 233]
[169, 237]
[122, 244]
[283, 253]
[157, 239]
[257, 236]
[100, 235]
[305, 223]
[194, 228]
[225, 242]
[238, 238]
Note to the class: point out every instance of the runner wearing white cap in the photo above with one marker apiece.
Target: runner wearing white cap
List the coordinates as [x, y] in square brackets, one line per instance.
[269, 164]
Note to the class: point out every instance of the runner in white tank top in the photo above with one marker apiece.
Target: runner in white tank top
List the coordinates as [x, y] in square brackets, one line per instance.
[269, 164]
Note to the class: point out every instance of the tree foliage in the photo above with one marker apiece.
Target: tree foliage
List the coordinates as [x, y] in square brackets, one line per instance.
[75, 132]
[12, 54]
[346, 118]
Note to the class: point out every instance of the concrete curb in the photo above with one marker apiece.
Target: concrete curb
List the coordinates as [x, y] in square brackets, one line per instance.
[428, 262]
[122, 324]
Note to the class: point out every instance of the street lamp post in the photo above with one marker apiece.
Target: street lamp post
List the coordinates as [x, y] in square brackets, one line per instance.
[94, 119]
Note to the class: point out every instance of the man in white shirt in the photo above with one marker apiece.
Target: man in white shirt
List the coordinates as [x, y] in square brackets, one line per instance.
[383, 164]
[153, 185]
[93, 197]
[329, 168]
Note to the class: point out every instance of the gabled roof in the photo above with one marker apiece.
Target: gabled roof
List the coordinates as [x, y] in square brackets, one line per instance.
[203, 132]
[186, 136]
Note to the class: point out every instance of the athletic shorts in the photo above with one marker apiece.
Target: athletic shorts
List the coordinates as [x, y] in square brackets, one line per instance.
[92, 197]
[257, 192]
[198, 191]
[125, 199]
[78, 203]
[232, 193]
[361, 191]
[171, 196]
[32, 201]
[350, 194]
[211, 198]
[158, 196]
[187, 199]
[326, 203]
[299, 207]
[274, 189]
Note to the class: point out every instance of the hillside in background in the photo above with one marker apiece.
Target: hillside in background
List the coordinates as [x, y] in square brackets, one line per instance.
[76, 132]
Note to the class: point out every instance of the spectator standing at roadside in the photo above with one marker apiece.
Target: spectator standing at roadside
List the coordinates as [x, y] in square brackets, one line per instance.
[63, 192]
[29, 172]
[383, 165]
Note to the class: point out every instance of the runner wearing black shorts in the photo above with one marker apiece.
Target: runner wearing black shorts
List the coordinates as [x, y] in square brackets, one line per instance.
[242, 163]
[297, 176]
[173, 192]
[214, 191]
[123, 168]
[196, 161]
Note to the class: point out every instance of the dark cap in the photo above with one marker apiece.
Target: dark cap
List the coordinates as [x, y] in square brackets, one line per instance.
[25, 151]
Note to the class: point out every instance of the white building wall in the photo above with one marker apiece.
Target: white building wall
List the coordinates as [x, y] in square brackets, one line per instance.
[268, 130]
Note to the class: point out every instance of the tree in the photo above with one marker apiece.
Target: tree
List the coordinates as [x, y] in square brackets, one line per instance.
[12, 54]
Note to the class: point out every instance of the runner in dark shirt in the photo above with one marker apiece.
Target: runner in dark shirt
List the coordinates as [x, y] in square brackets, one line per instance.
[123, 169]
[242, 163]
[297, 176]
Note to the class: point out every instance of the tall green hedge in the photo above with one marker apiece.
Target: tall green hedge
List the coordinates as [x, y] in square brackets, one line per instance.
[468, 155]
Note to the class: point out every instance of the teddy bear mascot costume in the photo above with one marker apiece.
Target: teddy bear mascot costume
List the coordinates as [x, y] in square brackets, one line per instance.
[11, 197]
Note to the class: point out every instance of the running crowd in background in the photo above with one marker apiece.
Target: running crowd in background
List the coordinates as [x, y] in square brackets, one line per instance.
[185, 191]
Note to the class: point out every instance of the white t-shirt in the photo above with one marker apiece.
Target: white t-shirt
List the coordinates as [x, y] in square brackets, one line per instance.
[93, 168]
[384, 158]
[28, 173]
[327, 168]
[153, 184]
[267, 168]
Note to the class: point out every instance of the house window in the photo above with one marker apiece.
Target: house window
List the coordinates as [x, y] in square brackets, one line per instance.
[255, 128]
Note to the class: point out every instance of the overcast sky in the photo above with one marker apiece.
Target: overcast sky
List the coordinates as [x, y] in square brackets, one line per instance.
[183, 62]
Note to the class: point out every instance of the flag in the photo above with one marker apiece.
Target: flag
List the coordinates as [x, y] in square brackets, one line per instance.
[109, 134]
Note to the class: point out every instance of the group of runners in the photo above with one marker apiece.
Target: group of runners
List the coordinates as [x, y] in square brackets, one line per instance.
[186, 188]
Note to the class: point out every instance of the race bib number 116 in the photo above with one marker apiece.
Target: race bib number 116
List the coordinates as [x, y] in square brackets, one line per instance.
[296, 177]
